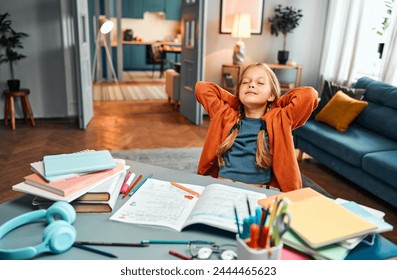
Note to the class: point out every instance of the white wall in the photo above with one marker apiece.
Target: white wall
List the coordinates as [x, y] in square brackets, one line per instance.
[304, 44]
[43, 70]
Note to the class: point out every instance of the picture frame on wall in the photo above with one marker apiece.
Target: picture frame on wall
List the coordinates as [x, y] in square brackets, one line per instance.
[231, 7]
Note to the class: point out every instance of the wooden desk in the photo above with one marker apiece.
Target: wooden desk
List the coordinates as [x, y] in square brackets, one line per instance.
[98, 227]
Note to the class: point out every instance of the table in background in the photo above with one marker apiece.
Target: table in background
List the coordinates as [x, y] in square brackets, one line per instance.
[98, 227]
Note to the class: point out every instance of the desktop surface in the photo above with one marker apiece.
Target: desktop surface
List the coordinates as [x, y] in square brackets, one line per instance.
[97, 227]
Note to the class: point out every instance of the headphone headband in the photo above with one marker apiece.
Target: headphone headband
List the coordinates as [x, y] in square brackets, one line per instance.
[58, 236]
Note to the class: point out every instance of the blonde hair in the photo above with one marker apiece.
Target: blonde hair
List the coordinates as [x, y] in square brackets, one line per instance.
[263, 158]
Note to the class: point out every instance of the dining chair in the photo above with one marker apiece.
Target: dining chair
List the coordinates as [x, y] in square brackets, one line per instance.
[158, 58]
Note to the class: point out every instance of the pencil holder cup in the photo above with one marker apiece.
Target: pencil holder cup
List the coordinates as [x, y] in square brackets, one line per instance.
[244, 252]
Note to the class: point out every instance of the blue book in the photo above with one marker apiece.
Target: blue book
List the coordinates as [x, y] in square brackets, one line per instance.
[55, 165]
[381, 249]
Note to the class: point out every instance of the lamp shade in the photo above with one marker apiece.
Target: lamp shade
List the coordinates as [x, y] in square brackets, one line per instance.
[241, 25]
[105, 25]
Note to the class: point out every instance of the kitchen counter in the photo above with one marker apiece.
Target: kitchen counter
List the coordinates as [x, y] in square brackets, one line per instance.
[114, 43]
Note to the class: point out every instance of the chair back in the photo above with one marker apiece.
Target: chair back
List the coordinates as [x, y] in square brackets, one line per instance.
[157, 53]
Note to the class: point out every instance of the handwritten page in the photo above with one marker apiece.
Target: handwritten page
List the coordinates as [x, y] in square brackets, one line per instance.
[159, 203]
[216, 206]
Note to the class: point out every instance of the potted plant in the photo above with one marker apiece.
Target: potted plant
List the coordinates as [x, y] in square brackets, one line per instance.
[384, 24]
[284, 21]
[10, 41]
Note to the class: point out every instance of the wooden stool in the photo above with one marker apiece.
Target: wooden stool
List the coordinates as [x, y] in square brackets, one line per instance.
[9, 104]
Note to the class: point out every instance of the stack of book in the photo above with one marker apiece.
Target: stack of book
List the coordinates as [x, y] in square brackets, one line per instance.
[90, 181]
[334, 229]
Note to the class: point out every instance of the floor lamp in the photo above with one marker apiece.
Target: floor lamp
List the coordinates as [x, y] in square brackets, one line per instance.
[105, 27]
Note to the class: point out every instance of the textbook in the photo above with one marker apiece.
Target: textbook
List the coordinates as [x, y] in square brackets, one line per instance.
[110, 187]
[320, 221]
[159, 203]
[91, 161]
[38, 168]
[72, 185]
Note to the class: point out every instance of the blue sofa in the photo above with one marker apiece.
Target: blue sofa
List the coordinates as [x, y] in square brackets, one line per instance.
[366, 153]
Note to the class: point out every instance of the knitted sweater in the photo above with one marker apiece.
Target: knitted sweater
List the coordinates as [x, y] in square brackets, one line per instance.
[289, 112]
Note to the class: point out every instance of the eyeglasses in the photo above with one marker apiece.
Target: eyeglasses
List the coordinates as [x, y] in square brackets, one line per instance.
[205, 251]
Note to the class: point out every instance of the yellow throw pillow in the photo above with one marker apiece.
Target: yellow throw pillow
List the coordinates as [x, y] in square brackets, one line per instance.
[340, 111]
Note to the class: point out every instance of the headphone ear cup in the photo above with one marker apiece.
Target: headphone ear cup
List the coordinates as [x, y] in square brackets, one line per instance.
[59, 236]
[63, 210]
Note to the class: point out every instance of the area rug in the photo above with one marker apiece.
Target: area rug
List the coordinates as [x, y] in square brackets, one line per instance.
[184, 159]
[143, 77]
[108, 92]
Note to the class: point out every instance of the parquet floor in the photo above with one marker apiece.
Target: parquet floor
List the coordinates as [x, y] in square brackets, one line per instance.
[124, 125]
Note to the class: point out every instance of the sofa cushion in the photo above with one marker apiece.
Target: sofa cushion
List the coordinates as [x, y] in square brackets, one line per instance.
[350, 146]
[328, 91]
[340, 111]
[382, 165]
[381, 113]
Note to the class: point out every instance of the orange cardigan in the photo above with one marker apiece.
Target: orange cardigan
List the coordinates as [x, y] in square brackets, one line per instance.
[289, 112]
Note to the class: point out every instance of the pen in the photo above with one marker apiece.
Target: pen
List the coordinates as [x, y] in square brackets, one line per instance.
[111, 244]
[249, 207]
[237, 223]
[174, 242]
[192, 192]
[143, 182]
[126, 183]
[176, 254]
[132, 186]
[100, 252]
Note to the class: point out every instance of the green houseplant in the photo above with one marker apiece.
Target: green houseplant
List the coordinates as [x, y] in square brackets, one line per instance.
[284, 21]
[384, 24]
[10, 42]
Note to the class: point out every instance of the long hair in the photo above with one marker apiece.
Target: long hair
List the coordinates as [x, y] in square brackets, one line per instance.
[263, 158]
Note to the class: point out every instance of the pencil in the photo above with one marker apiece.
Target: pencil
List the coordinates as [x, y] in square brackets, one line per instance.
[100, 252]
[111, 244]
[192, 192]
[176, 254]
[132, 186]
[140, 185]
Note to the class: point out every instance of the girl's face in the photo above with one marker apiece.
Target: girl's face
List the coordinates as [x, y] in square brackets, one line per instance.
[255, 90]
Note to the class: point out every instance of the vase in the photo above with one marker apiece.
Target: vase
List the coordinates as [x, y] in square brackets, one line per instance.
[282, 57]
[13, 85]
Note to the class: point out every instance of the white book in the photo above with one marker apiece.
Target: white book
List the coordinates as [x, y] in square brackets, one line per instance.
[112, 186]
[26, 188]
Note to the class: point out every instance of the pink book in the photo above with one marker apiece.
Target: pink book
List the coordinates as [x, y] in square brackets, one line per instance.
[72, 185]
[292, 254]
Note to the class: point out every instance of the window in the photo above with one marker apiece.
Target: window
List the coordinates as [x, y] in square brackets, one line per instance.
[368, 58]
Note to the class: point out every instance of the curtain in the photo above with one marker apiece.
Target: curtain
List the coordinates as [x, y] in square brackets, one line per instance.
[389, 61]
[342, 37]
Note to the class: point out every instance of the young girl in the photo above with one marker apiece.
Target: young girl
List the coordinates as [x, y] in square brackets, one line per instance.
[249, 138]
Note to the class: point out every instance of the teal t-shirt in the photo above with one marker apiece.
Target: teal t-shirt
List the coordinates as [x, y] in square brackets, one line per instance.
[240, 164]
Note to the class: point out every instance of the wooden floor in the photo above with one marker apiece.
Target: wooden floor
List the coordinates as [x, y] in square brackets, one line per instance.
[124, 125]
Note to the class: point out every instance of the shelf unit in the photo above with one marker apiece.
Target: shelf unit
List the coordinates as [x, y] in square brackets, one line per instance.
[231, 74]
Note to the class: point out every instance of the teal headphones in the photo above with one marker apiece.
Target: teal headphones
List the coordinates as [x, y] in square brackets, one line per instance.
[58, 236]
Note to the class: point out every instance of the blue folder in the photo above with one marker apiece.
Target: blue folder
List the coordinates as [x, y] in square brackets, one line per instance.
[55, 165]
[381, 249]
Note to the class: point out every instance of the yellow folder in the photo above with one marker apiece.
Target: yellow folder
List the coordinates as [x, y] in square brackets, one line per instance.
[320, 221]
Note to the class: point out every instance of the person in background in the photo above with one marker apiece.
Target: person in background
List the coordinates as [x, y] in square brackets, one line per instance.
[249, 139]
